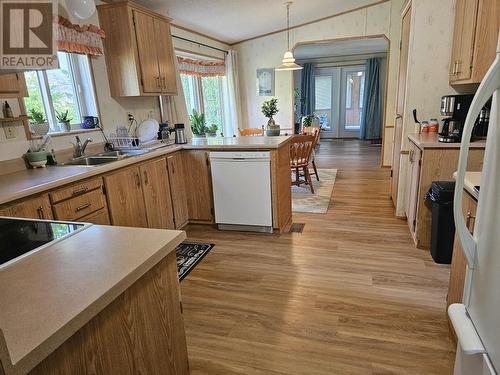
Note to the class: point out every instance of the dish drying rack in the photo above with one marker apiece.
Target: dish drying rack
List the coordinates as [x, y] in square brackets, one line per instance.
[124, 142]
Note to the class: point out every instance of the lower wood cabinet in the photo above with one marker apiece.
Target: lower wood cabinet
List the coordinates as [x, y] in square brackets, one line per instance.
[31, 208]
[198, 182]
[125, 198]
[100, 217]
[139, 196]
[156, 191]
[178, 189]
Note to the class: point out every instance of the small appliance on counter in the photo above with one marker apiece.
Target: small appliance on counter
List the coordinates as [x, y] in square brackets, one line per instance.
[454, 109]
[180, 135]
[480, 129]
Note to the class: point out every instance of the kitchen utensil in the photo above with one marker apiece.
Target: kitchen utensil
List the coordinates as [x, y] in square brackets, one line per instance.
[148, 130]
[180, 135]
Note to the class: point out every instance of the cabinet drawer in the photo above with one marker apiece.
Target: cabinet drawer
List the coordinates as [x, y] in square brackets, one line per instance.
[75, 190]
[100, 217]
[78, 207]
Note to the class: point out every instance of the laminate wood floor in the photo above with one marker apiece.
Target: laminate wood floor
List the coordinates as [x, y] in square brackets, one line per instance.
[349, 295]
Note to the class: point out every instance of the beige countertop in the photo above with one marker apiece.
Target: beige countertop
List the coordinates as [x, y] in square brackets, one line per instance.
[55, 291]
[471, 179]
[430, 140]
[21, 184]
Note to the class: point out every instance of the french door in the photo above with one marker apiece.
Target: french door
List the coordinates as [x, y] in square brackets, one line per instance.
[339, 100]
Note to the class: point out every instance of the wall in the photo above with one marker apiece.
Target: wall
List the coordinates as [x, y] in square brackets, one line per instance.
[267, 52]
[428, 66]
[113, 111]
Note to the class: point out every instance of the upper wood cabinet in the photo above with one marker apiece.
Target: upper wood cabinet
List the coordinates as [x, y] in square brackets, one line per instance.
[32, 208]
[138, 50]
[474, 40]
[13, 85]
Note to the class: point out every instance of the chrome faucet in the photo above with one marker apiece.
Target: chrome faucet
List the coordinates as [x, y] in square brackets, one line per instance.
[79, 147]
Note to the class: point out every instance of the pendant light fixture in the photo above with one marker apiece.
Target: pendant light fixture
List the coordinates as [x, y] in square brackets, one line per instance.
[288, 62]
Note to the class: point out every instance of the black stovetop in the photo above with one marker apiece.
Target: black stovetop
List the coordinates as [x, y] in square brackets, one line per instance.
[20, 236]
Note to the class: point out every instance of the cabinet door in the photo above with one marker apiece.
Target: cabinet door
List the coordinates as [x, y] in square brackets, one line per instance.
[13, 84]
[147, 49]
[166, 57]
[412, 206]
[157, 197]
[32, 208]
[198, 186]
[463, 40]
[125, 199]
[178, 189]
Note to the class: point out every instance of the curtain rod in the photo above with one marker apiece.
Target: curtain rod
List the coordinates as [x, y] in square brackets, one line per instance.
[200, 44]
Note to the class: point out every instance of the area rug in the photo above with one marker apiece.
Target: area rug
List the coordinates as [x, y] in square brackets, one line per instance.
[189, 254]
[304, 201]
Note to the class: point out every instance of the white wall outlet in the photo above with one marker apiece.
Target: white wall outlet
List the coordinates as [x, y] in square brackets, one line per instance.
[10, 131]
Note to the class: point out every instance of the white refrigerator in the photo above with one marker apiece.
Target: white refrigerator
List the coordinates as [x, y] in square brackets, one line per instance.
[477, 320]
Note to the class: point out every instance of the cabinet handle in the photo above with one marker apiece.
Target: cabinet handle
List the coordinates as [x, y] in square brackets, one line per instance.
[83, 207]
[411, 156]
[146, 179]
[470, 220]
[458, 67]
[41, 214]
[164, 81]
[158, 83]
[138, 180]
[79, 191]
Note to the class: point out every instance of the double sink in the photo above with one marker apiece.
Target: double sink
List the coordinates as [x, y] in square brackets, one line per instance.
[105, 157]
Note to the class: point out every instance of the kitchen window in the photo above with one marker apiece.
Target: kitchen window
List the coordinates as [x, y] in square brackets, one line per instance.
[69, 88]
[205, 95]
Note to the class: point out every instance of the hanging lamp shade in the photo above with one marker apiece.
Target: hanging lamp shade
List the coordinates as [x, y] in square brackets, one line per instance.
[288, 62]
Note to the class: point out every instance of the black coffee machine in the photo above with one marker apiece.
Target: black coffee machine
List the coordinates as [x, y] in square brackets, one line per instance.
[454, 109]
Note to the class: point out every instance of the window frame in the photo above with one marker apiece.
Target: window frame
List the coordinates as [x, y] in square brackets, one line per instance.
[84, 90]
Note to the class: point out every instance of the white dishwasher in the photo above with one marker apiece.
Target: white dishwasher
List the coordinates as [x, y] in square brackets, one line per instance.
[242, 190]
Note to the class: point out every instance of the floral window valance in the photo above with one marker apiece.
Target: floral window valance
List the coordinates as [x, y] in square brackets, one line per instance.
[201, 68]
[84, 39]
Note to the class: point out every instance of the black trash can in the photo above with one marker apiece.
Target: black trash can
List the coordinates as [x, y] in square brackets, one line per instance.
[443, 224]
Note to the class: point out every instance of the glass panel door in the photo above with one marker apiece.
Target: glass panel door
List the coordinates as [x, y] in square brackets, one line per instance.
[326, 100]
[353, 83]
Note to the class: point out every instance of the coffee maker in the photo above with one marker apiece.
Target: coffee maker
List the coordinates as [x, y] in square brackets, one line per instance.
[454, 110]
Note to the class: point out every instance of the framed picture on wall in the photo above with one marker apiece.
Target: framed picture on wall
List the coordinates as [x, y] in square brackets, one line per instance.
[265, 82]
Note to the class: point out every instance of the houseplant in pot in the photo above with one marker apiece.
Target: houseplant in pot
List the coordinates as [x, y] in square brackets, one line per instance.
[212, 130]
[63, 120]
[269, 109]
[38, 123]
[198, 124]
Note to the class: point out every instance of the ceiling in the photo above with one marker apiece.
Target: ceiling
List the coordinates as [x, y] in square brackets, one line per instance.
[367, 46]
[232, 21]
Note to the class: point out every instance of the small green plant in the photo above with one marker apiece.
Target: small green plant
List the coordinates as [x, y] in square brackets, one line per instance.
[63, 116]
[308, 120]
[37, 117]
[270, 108]
[212, 129]
[198, 122]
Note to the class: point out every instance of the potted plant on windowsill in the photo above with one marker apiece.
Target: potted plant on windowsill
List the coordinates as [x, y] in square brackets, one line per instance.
[212, 130]
[63, 120]
[198, 124]
[38, 123]
[269, 109]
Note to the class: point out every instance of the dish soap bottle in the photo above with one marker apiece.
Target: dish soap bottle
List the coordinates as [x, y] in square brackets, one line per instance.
[7, 111]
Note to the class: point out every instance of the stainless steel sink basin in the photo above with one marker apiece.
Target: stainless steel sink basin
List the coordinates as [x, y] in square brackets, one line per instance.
[104, 157]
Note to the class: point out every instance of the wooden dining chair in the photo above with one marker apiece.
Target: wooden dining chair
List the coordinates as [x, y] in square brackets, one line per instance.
[248, 132]
[315, 131]
[301, 147]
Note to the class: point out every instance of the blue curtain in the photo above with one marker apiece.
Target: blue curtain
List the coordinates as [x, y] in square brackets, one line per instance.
[307, 89]
[371, 121]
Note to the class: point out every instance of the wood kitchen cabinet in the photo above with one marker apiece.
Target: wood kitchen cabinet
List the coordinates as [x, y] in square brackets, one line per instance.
[198, 182]
[139, 196]
[458, 261]
[156, 190]
[125, 199]
[13, 85]
[475, 39]
[178, 189]
[32, 208]
[138, 50]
